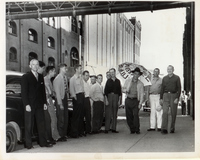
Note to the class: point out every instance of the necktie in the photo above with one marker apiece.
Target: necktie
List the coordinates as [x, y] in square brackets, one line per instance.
[36, 75]
[66, 85]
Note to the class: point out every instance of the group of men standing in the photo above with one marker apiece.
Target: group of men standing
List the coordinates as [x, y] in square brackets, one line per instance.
[91, 101]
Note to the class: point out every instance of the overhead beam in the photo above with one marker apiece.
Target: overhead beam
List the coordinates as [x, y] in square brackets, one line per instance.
[96, 10]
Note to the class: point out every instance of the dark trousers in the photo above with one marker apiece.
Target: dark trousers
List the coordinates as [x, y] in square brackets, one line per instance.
[98, 109]
[111, 111]
[183, 108]
[132, 114]
[87, 114]
[188, 107]
[48, 125]
[168, 101]
[77, 126]
[62, 117]
[38, 113]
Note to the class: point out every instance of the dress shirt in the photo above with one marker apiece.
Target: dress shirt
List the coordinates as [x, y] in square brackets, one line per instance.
[140, 89]
[35, 74]
[86, 88]
[96, 92]
[171, 84]
[155, 88]
[113, 86]
[76, 85]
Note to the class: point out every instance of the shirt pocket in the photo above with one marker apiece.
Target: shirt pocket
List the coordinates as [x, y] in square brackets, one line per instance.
[77, 82]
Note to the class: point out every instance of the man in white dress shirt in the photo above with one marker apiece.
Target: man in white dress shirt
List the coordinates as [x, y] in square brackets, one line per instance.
[97, 96]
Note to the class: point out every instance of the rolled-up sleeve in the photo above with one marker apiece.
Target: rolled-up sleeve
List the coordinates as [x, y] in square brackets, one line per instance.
[178, 87]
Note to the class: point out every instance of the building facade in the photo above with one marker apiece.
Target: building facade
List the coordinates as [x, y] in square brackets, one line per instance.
[51, 40]
[110, 40]
[98, 42]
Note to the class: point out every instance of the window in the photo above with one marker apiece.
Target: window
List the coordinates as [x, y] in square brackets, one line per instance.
[32, 55]
[51, 42]
[51, 61]
[80, 28]
[74, 56]
[13, 85]
[74, 25]
[13, 54]
[12, 27]
[32, 35]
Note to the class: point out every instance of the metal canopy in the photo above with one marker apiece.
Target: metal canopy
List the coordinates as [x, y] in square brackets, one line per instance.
[25, 10]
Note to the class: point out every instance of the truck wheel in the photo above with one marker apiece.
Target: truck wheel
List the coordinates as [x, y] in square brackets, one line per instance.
[11, 138]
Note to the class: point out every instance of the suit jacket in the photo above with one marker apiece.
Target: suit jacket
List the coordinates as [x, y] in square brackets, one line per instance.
[140, 89]
[33, 90]
[59, 87]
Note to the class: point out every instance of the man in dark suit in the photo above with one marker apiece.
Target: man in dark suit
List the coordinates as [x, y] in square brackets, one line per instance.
[34, 100]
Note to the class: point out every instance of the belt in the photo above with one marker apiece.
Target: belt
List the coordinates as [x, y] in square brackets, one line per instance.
[154, 94]
[132, 98]
[80, 93]
[170, 92]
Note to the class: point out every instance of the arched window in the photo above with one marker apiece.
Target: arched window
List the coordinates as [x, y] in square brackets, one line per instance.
[51, 61]
[32, 55]
[32, 35]
[12, 27]
[74, 25]
[13, 54]
[74, 57]
[51, 42]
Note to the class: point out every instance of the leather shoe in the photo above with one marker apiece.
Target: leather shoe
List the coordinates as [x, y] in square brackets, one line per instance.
[84, 135]
[158, 129]
[132, 132]
[164, 131]
[88, 132]
[106, 131]
[138, 132]
[114, 131]
[172, 131]
[47, 145]
[74, 136]
[150, 129]
[62, 139]
[53, 142]
[31, 147]
[95, 132]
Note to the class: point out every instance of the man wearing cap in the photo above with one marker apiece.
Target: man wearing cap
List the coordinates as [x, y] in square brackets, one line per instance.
[134, 90]
[169, 97]
[154, 97]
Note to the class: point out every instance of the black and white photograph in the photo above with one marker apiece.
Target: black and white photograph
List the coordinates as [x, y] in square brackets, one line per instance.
[99, 80]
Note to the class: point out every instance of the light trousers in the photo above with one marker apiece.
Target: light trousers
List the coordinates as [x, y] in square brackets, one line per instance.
[155, 116]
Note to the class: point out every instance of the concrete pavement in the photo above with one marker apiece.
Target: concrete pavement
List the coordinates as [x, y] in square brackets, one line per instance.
[124, 142]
